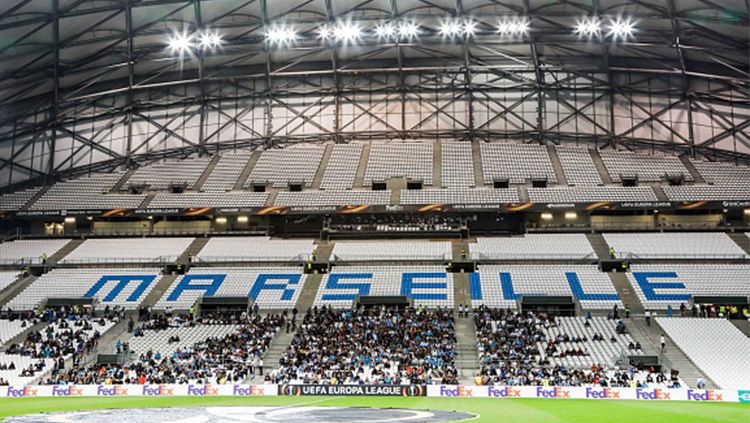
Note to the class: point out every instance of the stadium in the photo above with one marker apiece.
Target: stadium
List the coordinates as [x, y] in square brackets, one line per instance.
[374, 211]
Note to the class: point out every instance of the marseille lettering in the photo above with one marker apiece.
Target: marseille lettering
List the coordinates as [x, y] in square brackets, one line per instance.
[202, 390]
[66, 391]
[604, 393]
[707, 395]
[652, 394]
[509, 292]
[111, 391]
[208, 285]
[21, 393]
[157, 391]
[120, 282]
[556, 392]
[504, 392]
[456, 391]
[416, 285]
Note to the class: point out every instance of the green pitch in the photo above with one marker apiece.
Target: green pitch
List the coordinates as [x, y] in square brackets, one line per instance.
[489, 410]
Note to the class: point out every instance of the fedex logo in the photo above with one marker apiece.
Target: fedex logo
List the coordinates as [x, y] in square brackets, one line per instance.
[66, 391]
[240, 390]
[556, 392]
[504, 392]
[605, 393]
[20, 393]
[458, 391]
[707, 395]
[111, 391]
[652, 394]
[204, 390]
[157, 391]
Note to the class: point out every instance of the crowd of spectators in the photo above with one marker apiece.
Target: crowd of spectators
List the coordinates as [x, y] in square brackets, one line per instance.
[228, 359]
[510, 353]
[371, 346]
[71, 332]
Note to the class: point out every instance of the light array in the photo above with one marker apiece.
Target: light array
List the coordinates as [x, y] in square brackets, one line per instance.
[347, 32]
[181, 43]
[617, 28]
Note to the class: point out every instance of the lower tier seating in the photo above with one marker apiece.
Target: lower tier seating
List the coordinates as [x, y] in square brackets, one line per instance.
[716, 346]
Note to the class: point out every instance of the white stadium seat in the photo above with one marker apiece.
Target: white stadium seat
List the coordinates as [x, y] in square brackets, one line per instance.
[128, 250]
[716, 346]
[532, 246]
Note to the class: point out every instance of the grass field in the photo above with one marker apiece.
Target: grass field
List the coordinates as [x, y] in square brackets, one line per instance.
[489, 410]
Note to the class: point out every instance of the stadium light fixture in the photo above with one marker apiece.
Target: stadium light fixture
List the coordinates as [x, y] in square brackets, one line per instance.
[180, 43]
[747, 212]
[515, 27]
[210, 40]
[450, 29]
[588, 27]
[469, 28]
[546, 216]
[325, 32]
[385, 30]
[571, 215]
[620, 28]
[408, 30]
[347, 32]
[281, 35]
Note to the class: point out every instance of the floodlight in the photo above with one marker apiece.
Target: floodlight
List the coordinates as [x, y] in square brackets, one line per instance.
[347, 32]
[408, 30]
[621, 28]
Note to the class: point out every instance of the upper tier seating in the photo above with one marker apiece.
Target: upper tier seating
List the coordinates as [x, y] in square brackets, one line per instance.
[77, 283]
[674, 245]
[255, 249]
[587, 194]
[279, 167]
[716, 346]
[517, 162]
[6, 280]
[397, 159]
[16, 200]
[578, 166]
[390, 250]
[429, 286]
[332, 198]
[226, 173]
[723, 173]
[647, 167]
[488, 287]
[87, 193]
[532, 246]
[160, 176]
[457, 165]
[681, 282]
[128, 250]
[209, 199]
[740, 192]
[270, 287]
[29, 251]
[465, 196]
[342, 167]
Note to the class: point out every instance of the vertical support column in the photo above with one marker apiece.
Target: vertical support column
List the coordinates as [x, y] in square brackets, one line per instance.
[269, 80]
[201, 82]
[131, 71]
[56, 90]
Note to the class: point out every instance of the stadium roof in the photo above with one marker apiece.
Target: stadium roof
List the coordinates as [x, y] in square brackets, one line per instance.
[58, 57]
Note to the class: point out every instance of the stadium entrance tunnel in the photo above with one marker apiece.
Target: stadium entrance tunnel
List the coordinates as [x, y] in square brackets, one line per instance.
[252, 414]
